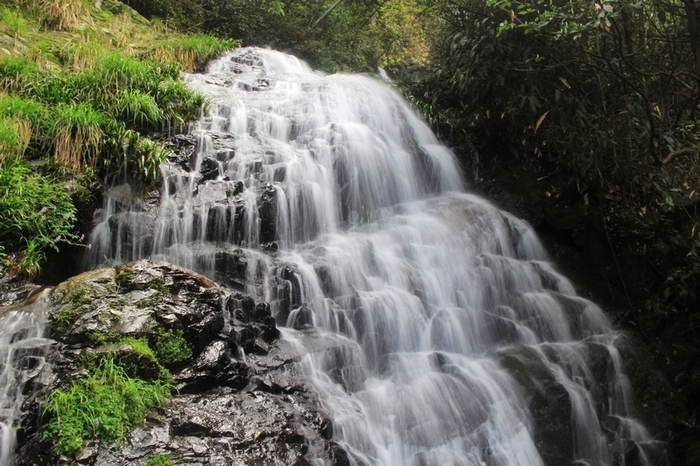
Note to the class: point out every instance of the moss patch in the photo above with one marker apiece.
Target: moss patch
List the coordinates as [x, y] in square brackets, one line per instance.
[170, 347]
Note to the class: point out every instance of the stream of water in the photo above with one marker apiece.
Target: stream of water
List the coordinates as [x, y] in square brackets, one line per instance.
[451, 331]
[23, 351]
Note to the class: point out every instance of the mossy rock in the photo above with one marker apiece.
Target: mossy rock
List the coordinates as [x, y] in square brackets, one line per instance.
[176, 310]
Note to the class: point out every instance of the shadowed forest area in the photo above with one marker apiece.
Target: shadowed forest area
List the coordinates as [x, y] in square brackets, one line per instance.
[581, 117]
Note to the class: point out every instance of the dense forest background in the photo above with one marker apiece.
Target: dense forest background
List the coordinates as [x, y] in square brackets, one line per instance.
[579, 116]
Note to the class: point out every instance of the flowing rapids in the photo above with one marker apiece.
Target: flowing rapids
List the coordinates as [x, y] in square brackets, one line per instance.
[429, 318]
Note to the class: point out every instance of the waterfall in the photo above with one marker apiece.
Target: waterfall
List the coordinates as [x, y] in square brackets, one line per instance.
[23, 366]
[434, 328]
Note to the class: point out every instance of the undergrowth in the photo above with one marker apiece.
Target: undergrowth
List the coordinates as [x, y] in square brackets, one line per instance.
[85, 87]
[102, 406]
[36, 214]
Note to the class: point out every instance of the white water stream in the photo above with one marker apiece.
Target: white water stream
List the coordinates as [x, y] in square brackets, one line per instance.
[440, 307]
[23, 350]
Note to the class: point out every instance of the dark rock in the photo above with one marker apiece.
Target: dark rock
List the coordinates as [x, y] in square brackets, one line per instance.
[239, 399]
[209, 169]
[548, 402]
[13, 289]
[302, 317]
[268, 214]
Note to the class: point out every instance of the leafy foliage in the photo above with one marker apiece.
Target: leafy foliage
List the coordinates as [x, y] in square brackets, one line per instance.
[36, 213]
[160, 460]
[334, 35]
[599, 100]
[75, 92]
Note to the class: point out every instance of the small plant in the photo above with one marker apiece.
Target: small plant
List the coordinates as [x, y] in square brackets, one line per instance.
[102, 406]
[160, 460]
[80, 295]
[123, 277]
[66, 318]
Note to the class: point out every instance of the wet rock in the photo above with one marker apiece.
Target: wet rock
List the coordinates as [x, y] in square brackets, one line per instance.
[13, 289]
[268, 214]
[239, 399]
[548, 402]
[209, 169]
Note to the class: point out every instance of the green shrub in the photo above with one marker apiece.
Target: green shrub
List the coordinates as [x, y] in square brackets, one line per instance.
[101, 406]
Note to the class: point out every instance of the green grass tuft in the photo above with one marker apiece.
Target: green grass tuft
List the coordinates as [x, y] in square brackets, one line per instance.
[102, 406]
[160, 460]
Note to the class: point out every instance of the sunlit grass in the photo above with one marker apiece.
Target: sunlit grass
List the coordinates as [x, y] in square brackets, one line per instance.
[78, 86]
[77, 131]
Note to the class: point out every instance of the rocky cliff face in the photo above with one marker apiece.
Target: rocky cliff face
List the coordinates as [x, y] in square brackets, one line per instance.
[238, 397]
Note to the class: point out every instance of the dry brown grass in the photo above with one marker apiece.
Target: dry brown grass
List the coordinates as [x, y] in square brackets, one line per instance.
[63, 15]
[77, 148]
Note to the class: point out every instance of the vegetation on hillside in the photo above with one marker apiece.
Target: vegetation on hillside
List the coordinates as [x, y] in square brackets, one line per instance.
[80, 89]
[330, 34]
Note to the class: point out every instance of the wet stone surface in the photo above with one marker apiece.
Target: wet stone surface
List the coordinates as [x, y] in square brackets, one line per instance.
[239, 398]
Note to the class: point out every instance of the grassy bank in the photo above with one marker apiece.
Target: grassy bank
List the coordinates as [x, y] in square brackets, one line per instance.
[86, 90]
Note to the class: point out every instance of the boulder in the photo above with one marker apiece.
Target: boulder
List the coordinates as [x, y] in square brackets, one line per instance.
[238, 397]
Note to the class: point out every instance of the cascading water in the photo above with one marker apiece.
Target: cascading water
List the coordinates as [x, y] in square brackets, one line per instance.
[329, 198]
[23, 366]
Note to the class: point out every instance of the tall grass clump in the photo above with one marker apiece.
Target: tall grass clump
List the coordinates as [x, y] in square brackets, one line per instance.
[134, 154]
[17, 75]
[77, 131]
[36, 213]
[193, 50]
[139, 109]
[27, 118]
[14, 137]
[101, 406]
[62, 15]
